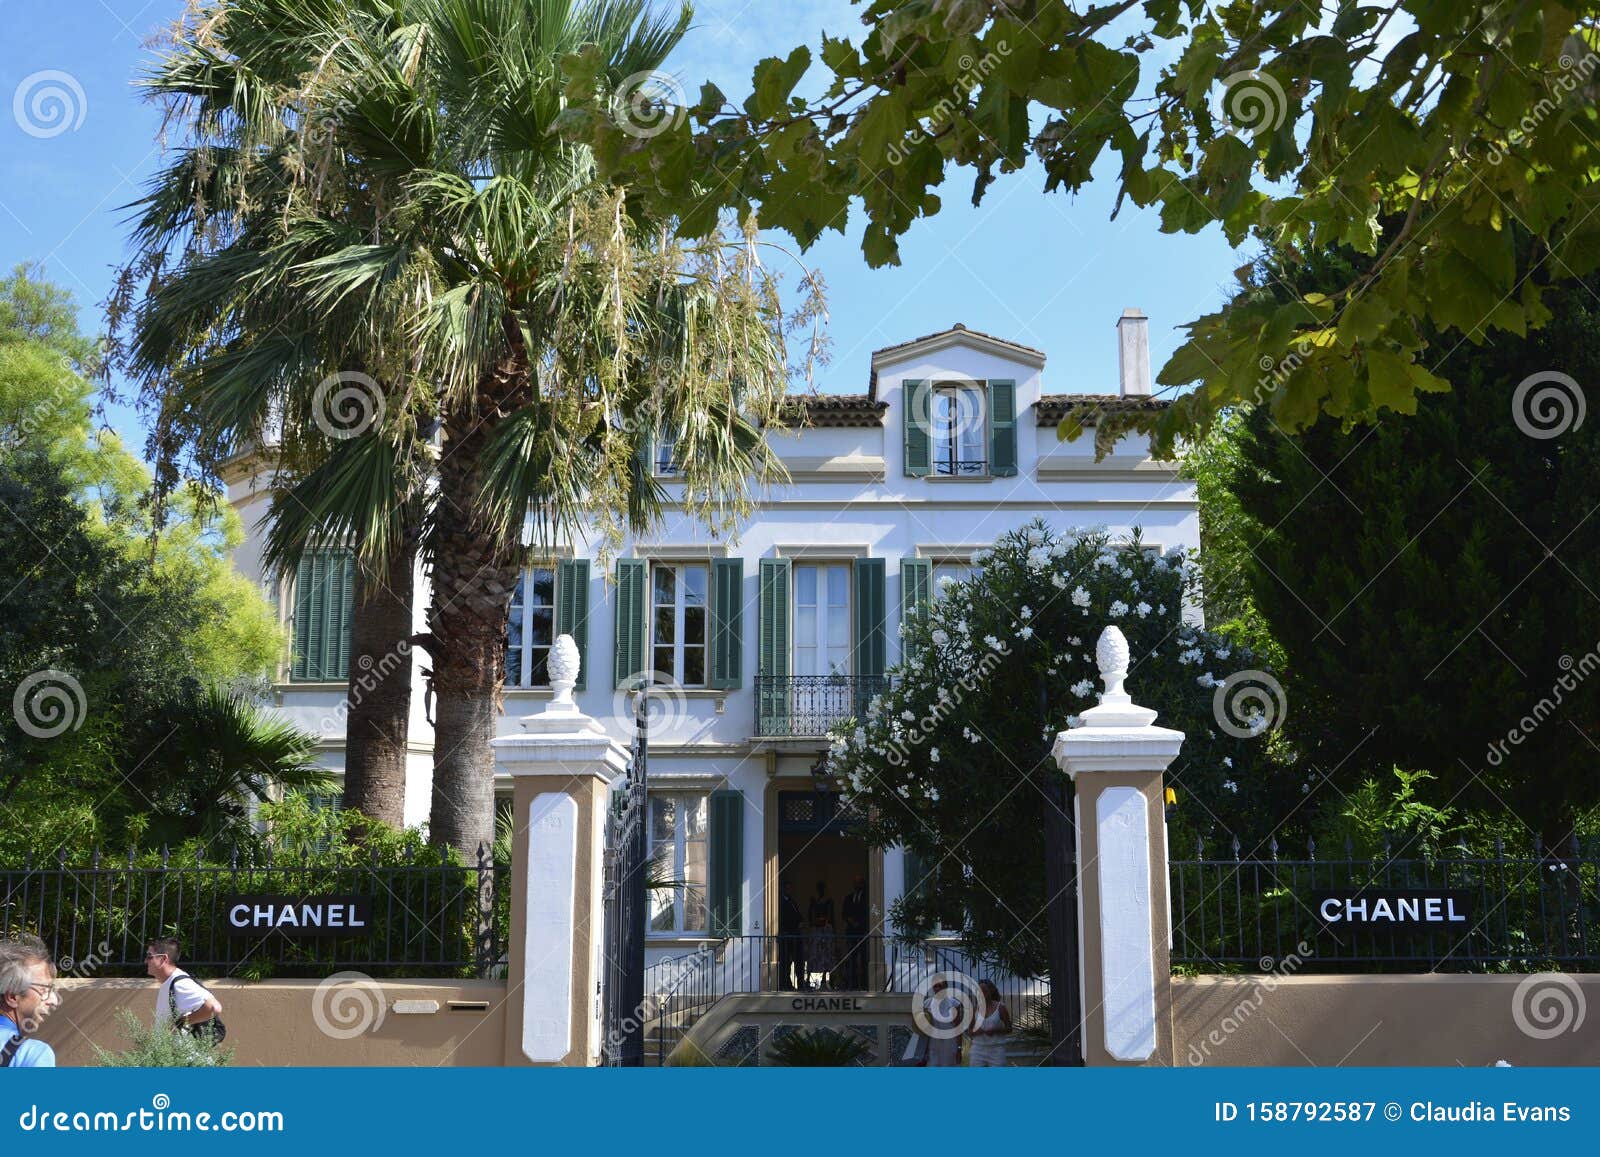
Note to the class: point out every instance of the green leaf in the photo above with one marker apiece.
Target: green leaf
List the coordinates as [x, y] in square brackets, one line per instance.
[774, 80]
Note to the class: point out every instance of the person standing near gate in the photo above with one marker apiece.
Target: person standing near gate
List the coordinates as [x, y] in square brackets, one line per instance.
[27, 995]
[857, 913]
[181, 1000]
[791, 960]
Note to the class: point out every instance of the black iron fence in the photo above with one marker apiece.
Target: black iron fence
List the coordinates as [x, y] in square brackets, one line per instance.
[679, 989]
[418, 919]
[807, 705]
[1319, 914]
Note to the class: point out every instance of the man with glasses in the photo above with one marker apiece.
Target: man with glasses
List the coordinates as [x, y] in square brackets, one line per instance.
[27, 995]
[181, 999]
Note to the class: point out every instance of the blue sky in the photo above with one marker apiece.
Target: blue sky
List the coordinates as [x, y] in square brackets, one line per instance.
[1047, 270]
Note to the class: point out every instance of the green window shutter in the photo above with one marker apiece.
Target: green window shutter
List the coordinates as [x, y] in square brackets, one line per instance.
[324, 594]
[1002, 429]
[727, 621]
[916, 585]
[916, 871]
[914, 398]
[572, 609]
[628, 660]
[772, 648]
[726, 852]
[871, 639]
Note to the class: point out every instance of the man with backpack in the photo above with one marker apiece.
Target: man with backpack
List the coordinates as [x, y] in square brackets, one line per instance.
[181, 1000]
[27, 995]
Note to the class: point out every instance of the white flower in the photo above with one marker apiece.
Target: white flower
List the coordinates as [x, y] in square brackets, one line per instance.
[1075, 641]
[1083, 688]
[1034, 535]
[1026, 632]
[979, 557]
[1026, 612]
[1192, 655]
[908, 716]
[994, 643]
[1074, 720]
[1223, 652]
[1080, 597]
[1227, 761]
[1125, 573]
[905, 792]
[1208, 680]
[1162, 609]
[946, 582]
[933, 794]
[1118, 609]
[933, 755]
[940, 637]
[1059, 581]
[1103, 560]
[1230, 785]
[1038, 558]
[1142, 610]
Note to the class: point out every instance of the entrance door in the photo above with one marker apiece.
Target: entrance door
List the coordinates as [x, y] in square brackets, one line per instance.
[826, 868]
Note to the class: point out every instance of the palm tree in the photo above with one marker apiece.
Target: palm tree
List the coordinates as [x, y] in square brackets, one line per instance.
[549, 327]
[234, 361]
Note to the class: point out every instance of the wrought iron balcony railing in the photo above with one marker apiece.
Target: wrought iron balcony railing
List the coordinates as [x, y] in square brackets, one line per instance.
[802, 706]
[961, 467]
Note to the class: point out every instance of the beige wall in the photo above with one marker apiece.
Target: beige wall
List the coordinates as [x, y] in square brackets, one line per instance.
[275, 1022]
[1384, 1020]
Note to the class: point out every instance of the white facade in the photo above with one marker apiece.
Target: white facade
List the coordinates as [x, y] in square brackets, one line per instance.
[851, 498]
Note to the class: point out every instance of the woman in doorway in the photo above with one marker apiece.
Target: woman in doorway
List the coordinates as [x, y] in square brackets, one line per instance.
[991, 1029]
[820, 942]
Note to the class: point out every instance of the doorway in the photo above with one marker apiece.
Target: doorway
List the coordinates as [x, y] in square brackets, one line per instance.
[824, 938]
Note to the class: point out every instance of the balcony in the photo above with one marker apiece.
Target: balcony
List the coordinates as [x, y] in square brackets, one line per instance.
[805, 706]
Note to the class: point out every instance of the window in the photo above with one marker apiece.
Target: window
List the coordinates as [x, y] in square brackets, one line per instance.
[678, 623]
[324, 592]
[664, 457]
[946, 573]
[822, 620]
[532, 628]
[959, 433]
[678, 864]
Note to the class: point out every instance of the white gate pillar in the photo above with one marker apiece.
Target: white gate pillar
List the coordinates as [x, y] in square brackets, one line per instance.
[1115, 759]
[561, 766]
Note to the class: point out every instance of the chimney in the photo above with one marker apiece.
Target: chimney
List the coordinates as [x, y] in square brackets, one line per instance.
[1133, 353]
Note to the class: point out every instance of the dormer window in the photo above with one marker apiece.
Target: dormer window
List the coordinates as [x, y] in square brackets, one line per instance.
[959, 429]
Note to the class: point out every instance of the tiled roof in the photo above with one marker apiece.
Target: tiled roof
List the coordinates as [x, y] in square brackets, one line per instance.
[958, 328]
[834, 410]
[1051, 408]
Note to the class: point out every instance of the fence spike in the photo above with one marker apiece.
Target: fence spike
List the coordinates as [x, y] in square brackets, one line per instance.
[1199, 848]
[1236, 849]
[233, 857]
[94, 858]
[1349, 848]
[483, 855]
[166, 855]
[374, 855]
[1388, 849]
[269, 855]
[1272, 846]
[61, 855]
[1538, 847]
[1311, 848]
[410, 853]
[27, 862]
[305, 855]
[199, 855]
[1575, 849]
[130, 857]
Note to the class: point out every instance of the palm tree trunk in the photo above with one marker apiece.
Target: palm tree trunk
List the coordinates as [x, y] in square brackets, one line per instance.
[475, 572]
[379, 696]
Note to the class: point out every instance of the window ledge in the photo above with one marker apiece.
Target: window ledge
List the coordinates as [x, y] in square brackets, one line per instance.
[321, 685]
[530, 692]
[672, 939]
[959, 477]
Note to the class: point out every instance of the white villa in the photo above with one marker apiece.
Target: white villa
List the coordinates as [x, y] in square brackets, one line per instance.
[766, 639]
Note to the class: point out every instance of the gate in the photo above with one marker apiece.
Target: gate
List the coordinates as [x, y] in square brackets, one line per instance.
[622, 970]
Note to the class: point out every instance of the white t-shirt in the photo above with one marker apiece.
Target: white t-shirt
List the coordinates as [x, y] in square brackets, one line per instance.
[186, 994]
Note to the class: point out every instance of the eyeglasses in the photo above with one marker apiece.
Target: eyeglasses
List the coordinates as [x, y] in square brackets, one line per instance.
[46, 990]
